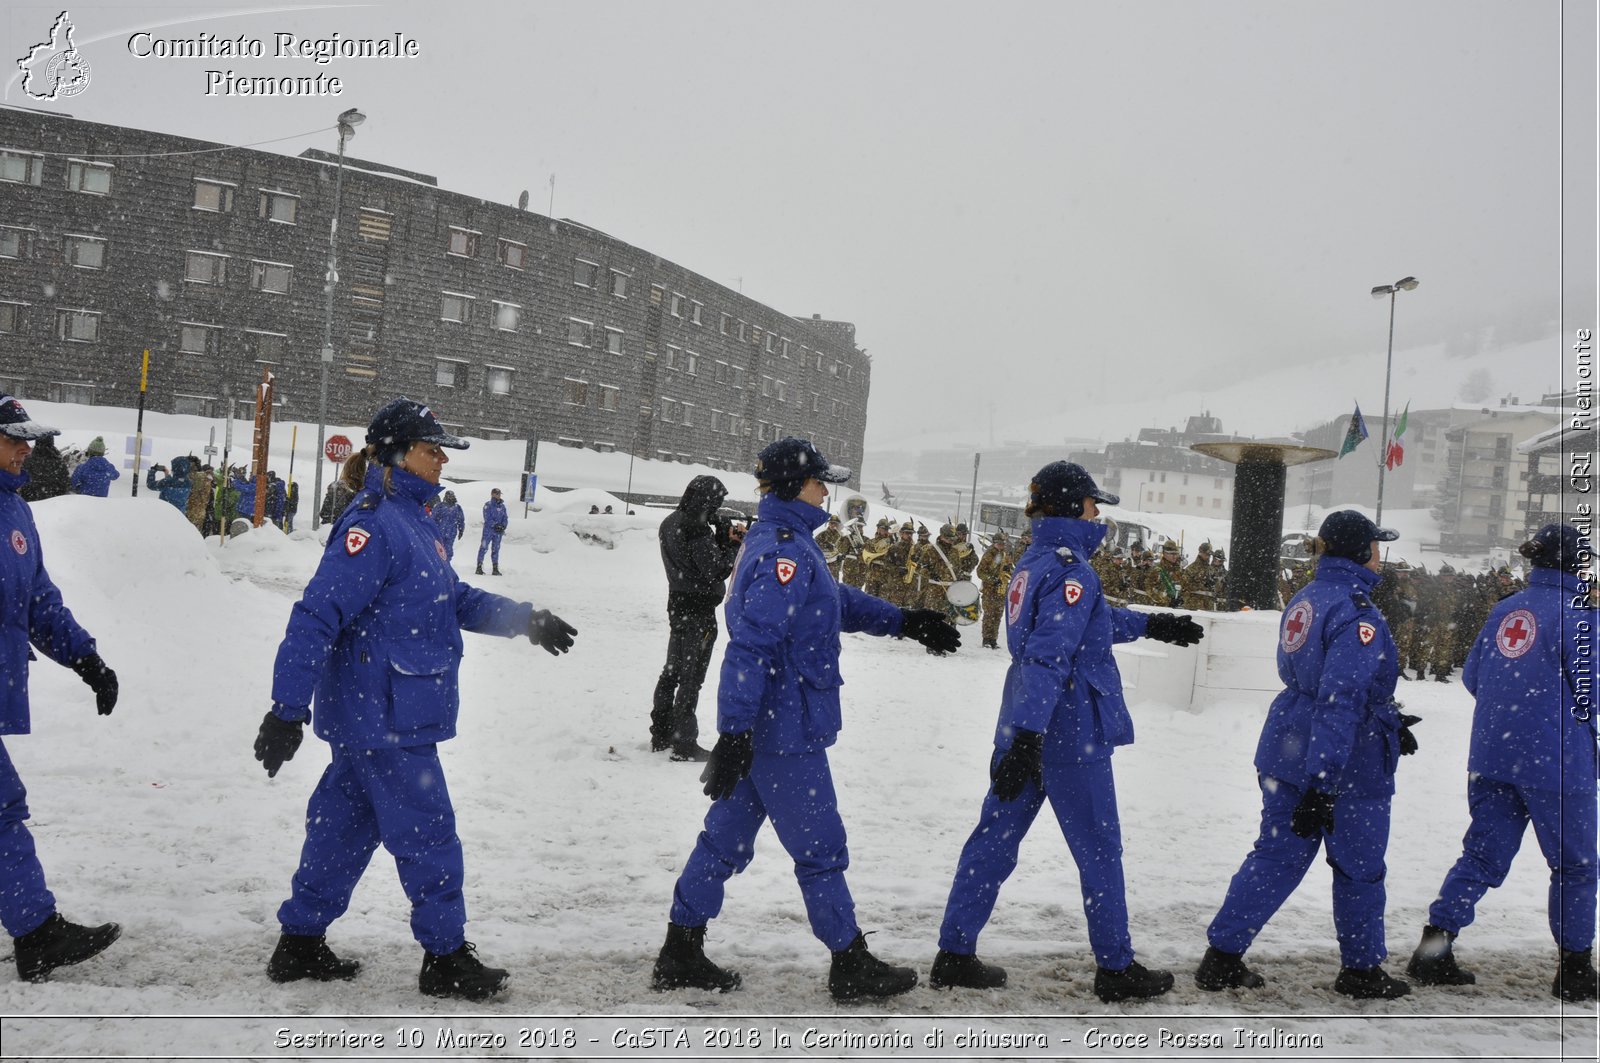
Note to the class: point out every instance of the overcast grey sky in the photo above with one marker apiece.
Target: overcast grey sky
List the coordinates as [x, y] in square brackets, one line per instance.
[1027, 203]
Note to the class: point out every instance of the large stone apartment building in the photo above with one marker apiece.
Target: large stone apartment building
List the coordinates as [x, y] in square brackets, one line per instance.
[114, 241]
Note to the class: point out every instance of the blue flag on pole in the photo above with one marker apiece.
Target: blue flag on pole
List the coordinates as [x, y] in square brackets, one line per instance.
[1355, 433]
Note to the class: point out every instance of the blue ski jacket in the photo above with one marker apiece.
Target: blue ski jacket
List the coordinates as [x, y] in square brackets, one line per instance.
[93, 476]
[780, 675]
[31, 609]
[451, 520]
[495, 517]
[175, 487]
[1063, 681]
[1531, 669]
[1335, 727]
[375, 641]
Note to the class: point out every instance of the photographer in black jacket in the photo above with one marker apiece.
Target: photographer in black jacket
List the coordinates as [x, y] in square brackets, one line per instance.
[697, 549]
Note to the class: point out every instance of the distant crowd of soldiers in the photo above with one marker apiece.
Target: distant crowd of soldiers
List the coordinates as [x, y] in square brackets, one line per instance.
[1434, 617]
[909, 568]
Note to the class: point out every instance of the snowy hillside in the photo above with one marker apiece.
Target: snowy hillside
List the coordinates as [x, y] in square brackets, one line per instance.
[158, 817]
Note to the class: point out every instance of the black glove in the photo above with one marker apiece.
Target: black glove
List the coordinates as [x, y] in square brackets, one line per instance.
[1408, 741]
[1170, 627]
[1313, 815]
[101, 680]
[1021, 764]
[276, 742]
[550, 631]
[499, 529]
[730, 762]
[931, 628]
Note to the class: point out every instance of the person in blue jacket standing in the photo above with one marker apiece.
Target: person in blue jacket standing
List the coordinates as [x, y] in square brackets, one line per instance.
[1326, 763]
[35, 616]
[452, 523]
[495, 520]
[1532, 759]
[94, 473]
[777, 714]
[1061, 717]
[372, 654]
[174, 487]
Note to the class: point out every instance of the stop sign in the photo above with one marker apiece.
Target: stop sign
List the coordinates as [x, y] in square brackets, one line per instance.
[338, 448]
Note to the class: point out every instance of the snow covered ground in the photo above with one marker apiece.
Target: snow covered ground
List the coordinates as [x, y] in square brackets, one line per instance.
[158, 817]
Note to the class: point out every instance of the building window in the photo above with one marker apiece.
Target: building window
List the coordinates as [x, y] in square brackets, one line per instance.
[21, 168]
[498, 380]
[280, 207]
[669, 410]
[723, 321]
[202, 267]
[85, 252]
[584, 273]
[445, 371]
[657, 294]
[691, 363]
[577, 392]
[744, 332]
[507, 316]
[271, 277]
[194, 405]
[755, 335]
[215, 196]
[200, 339]
[613, 341]
[15, 242]
[772, 343]
[64, 391]
[697, 312]
[463, 242]
[513, 254]
[81, 326]
[1216, 503]
[619, 284]
[454, 306]
[610, 398]
[10, 319]
[688, 414]
[580, 333]
[676, 307]
[91, 177]
[1183, 500]
[673, 359]
[268, 347]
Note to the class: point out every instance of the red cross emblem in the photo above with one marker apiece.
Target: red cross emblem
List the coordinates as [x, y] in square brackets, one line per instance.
[1516, 633]
[1015, 596]
[19, 542]
[437, 545]
[1072, 590]
[355, 539]
[1366, 633]
[1297, 625]
[785, 569]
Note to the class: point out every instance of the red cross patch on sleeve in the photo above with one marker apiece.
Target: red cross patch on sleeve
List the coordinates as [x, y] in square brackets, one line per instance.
[1072, 590]
[785, 570]
[355, 539]
[1366, 633]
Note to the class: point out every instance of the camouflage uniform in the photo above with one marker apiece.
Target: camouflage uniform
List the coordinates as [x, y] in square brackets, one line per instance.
[851, 543]
[1140, 572]
[897, 572]
[1219, 580]
[875, 559]
[932, 575]
[965, 556]
[994, 576]
[828, 540]
[1198, 590]
[1166, 579]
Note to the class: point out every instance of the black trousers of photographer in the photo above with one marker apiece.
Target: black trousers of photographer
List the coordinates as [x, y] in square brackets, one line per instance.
[673, 723]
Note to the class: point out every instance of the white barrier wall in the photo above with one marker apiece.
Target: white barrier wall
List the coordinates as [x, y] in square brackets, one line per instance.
[1233, 667]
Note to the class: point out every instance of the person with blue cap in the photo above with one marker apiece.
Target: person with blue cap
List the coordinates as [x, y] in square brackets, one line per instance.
[777, 714]
[1325, 764]
[372, 655]
[35, 617]
[1061, 717]
[1532, 759]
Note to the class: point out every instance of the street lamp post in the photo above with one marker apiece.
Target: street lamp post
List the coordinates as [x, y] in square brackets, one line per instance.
[1391, 290]
[348, 121]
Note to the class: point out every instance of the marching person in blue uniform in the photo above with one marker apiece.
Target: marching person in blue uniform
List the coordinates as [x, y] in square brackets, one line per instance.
[495, 520]
[35, 616]
[1325, 762]
[777, 714]
[452, 523]
[1061, 717]
[94, 473]
[375, 643]
[1532, 759]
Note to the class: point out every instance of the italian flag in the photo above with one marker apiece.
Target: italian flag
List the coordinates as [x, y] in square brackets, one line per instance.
[1397, 450]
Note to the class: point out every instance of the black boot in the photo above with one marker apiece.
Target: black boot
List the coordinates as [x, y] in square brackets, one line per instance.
[1369, 984]
[1134, 982]
[1434, 962]
[682, 963]
[460, 974]
[1422, 673]
[952, 969]
[58, 943]
[857, 973]
[494, 570]
[1575, 978]
[479, 569]
[308, 956]
[1225, 970]
[690, 751]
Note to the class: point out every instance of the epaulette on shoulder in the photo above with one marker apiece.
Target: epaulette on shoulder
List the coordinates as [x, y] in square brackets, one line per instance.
[1066, 555]
[1361, 600]
[785, 535]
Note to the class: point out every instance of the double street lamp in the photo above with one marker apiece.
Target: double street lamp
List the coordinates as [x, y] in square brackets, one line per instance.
[1391, 290]
[348, 121]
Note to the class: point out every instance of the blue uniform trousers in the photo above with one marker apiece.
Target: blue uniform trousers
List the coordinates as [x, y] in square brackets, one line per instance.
[396, 796]
[796, 790]
[25, 901]
[1564, 825]
[1084, 799]
[1281, 859]
[491, 542]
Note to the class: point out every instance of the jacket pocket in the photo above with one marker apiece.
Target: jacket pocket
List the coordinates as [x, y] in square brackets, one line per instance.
[820, 718]
[422, 686]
